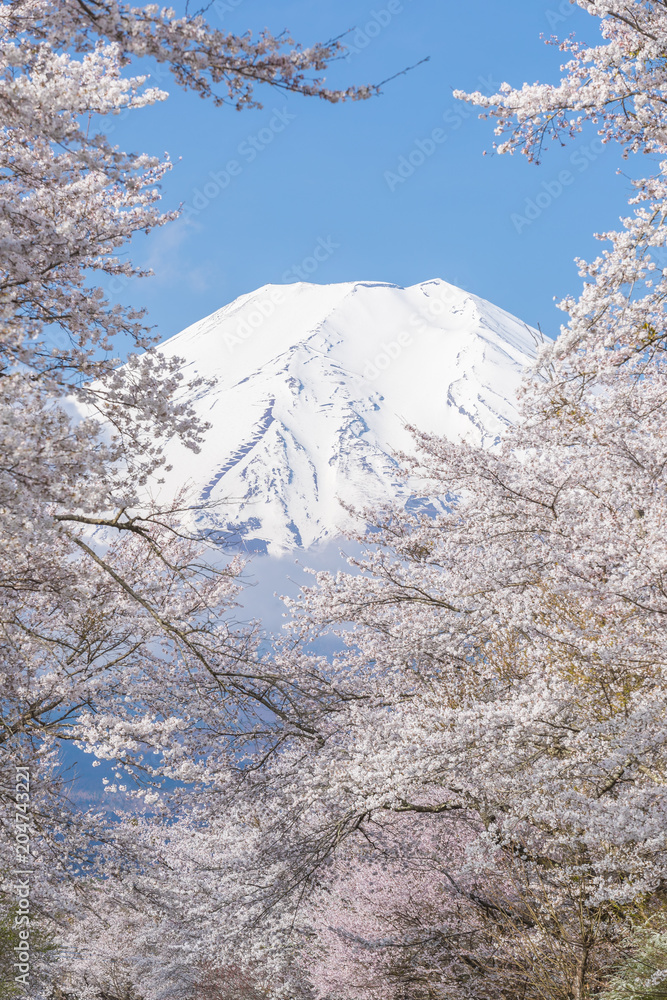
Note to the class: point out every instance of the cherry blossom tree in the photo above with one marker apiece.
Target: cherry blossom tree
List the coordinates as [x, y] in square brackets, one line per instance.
[116, 628]
[467, 798]
[502, 661]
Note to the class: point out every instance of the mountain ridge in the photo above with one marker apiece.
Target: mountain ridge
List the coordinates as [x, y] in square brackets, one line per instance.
[312, 388]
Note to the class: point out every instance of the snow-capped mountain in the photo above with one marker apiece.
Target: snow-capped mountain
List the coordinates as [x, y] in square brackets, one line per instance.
[312, 388]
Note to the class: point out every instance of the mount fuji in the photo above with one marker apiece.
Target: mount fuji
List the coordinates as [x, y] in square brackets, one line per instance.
[310, 390]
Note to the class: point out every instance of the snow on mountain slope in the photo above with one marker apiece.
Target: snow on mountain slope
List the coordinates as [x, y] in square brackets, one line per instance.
[313, 387]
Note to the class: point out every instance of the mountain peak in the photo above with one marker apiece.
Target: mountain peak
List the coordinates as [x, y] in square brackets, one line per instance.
[313, 387]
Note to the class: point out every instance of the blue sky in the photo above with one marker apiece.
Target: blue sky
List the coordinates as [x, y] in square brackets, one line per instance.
[319, 179]
[309, 175]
